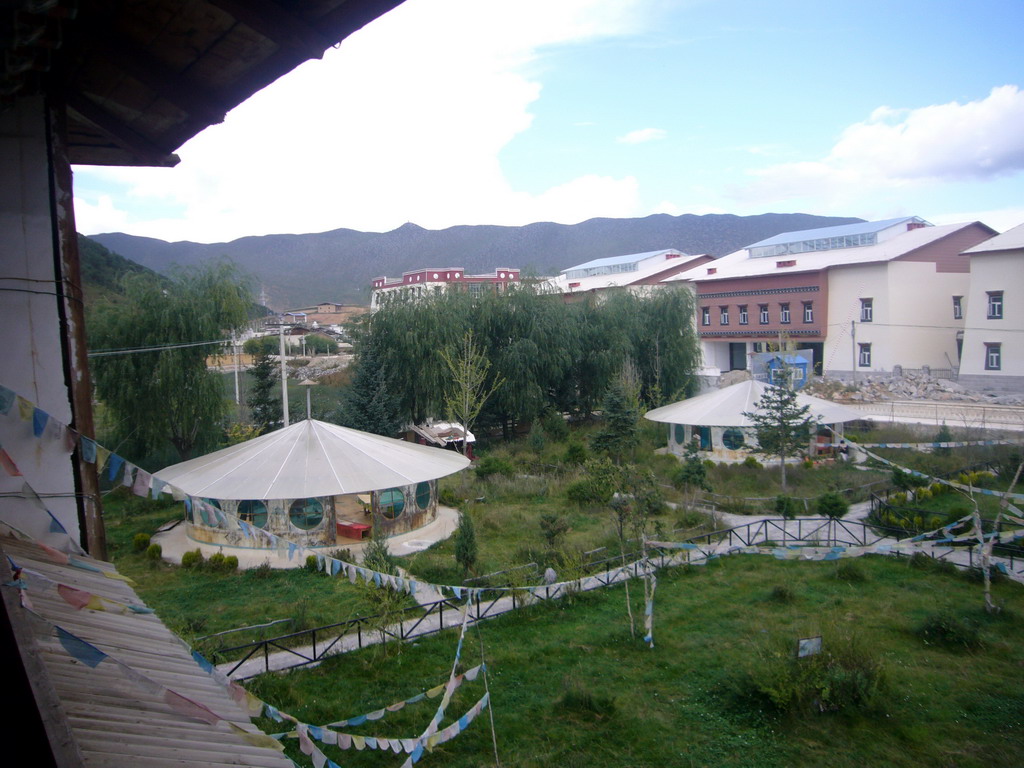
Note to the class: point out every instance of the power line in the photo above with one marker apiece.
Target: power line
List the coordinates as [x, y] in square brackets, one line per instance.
[157, 348]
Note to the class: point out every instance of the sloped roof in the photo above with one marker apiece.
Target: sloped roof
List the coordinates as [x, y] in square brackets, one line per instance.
[119, 716]
[858, 228]
[740, 264]
[142, 77]
[1010, 240]
[628, 258]
[310, 458]
[725, 408]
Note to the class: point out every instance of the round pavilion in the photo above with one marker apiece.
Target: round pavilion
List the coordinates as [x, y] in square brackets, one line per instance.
[716, 421]
[312, 483]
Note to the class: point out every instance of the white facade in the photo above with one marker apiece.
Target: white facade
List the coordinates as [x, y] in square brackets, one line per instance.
[993, 344]
[894, 313]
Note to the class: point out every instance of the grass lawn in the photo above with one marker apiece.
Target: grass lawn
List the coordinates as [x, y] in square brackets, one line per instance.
[571, 688]
[197, 602]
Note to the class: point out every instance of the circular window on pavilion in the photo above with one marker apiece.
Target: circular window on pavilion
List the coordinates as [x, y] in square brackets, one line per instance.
[206, 513]
[680, 432]
[392, 502]
[253, 512]
[306, 514]
[732, 438]
[423, 495]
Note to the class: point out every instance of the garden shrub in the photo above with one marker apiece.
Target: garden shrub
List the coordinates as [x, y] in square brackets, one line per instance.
[311, 563]
[222, 563]
[192, 559]
[576, 453]
[140, 542]
[948, 630]
[843, 676]
[554, 426]
[851, 572]
[782, 593]
[446, 497]
[786, 506]
[832, 504]
[494, 465]
[579, 700]
[231, 563]
[154, 552]
[753, 463]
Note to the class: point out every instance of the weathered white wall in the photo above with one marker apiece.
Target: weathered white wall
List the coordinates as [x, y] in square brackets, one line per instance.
[995, 272]
[32, 360]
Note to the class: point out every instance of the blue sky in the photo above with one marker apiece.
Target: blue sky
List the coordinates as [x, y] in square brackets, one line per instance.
[449, 112]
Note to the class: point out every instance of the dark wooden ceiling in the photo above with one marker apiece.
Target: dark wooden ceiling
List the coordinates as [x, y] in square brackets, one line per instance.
[142, 77]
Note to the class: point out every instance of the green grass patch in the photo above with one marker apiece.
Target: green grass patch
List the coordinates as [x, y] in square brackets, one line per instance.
[570, 687]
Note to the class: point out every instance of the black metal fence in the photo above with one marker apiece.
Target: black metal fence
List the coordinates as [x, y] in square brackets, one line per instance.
[313, 645]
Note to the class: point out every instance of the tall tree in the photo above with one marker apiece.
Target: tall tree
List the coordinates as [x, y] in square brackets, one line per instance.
[166, 393]
[782, 425]
[369, 404]
[620, 433]
[470, 386]
[264, 407]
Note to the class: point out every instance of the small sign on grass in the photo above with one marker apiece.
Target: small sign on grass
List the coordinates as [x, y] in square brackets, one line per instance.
[808, 646]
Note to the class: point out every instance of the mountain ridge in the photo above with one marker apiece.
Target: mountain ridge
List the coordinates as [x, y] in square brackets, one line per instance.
[338, 265]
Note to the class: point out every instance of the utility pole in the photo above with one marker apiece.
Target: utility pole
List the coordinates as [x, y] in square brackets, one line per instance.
[284, 380]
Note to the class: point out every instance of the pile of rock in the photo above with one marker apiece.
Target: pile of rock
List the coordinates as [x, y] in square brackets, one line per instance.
[905, 385]
[318, 367]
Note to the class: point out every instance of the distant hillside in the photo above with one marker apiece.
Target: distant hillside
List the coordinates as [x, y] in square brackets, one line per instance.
[297, 270]
[102, 270]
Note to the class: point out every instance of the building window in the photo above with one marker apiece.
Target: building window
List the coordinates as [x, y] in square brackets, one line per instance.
[744, 317]
[423, 495]
[306, 514]
[864, 359]
[958, 307]
[808, 311]
[253, 512]
[995, 305]
[784, 312]
[993, 357]
[867, 310]
[705, 316]
[764, 314]
[392, 502]
[723, 315]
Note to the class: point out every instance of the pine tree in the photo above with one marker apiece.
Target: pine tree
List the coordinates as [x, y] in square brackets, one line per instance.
[465, 543]
[369, 405]
[782, 426]
[264, 408]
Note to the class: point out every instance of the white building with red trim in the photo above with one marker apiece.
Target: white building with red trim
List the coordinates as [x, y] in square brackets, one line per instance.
[432, 281]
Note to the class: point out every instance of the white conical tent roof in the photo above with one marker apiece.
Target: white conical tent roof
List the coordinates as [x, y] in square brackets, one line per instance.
[725, 408]
[310, 458]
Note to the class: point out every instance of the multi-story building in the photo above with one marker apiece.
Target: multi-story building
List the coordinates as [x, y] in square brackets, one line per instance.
[433, 281]
[634, 271]
[993, 334]
[861, 297]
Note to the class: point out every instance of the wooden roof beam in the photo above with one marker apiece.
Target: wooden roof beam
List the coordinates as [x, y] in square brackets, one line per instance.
[200, 104]
[275, 23]
[144, 150]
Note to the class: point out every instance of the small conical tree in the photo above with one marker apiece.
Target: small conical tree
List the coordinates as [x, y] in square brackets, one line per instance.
[465, 543]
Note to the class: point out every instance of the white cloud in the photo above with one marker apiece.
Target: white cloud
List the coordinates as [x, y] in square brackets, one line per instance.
[403, 122]
[1000, 219]
[643, 134]
[944, 143]
[99, 216]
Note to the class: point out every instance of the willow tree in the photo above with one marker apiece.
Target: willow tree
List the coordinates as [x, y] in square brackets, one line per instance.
[151, 373]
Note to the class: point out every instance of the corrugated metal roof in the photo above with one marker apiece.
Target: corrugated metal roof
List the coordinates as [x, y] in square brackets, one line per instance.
[629, 258]
[1010, 240]
[115, 720]
[725, 408]
[310, 458]
[862, 228]
[740, 264]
